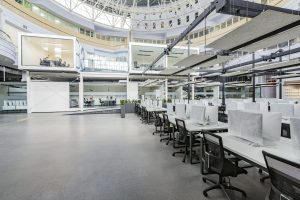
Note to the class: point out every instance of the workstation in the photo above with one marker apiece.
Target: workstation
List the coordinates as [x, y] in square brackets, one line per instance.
[150, 99]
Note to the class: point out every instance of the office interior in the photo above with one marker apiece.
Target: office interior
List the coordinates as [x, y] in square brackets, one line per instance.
[150, 99]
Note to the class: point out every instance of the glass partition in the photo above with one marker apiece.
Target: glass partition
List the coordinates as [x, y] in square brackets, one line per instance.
[45, 52]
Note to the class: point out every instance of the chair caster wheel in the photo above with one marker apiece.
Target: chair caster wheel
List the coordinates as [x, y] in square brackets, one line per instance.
[205, 194]
[244, 194]
[173, 155]
[204, 180]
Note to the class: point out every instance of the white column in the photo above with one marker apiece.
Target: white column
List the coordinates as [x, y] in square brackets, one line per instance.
[81, 90]
[193, 88]
[28, 80]
[181, 92]
[166, 90]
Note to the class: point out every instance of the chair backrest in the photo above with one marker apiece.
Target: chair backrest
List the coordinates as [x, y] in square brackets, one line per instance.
[157, 119]
[285, 177]
[213, 152]
[181, 130]
[166, 120]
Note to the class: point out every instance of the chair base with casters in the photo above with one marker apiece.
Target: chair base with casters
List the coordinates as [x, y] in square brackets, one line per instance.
[215, 162]
[221, 184]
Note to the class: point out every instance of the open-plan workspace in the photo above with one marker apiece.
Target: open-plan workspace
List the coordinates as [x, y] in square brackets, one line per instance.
[149, 99]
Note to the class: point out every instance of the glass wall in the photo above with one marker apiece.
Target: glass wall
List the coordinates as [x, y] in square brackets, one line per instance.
[47, 52]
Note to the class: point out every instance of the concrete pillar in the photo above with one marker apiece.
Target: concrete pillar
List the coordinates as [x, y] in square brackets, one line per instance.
[81, 93]
[28, 81]
[193, 88]
[166, 90]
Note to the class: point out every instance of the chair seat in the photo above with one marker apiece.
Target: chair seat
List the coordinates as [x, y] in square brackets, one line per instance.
[230, 169]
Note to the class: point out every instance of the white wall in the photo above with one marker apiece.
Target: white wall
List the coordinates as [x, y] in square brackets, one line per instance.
[48, 97]
[132, 91]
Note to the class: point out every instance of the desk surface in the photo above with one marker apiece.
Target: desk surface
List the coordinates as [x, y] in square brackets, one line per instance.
[246, 149]
[253, 152]
[192, 126]
[155, 109]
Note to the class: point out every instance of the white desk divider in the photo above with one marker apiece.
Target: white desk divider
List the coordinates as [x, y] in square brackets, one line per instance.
[159, 104]
[263, 106]
[252, 106]
[170, 108]
[231, 105]
[271, 127]
[234, 122]
[188, 110]
[296, 110]
[286, 109]
[246, 125]
[180, 110]
[211, 113]
[197, 114]
[295, 133]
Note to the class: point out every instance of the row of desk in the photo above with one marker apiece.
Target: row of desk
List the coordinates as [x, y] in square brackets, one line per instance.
[245, 150]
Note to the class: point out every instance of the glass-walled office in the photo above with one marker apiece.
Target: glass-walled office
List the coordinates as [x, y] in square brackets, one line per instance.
[41, 51]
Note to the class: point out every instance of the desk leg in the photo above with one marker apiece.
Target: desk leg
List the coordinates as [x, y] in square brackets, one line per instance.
[148, 120]
[191, 148]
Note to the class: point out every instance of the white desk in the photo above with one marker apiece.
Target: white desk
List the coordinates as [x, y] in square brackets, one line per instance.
[253, 153]
[154, 109]
[194, 128]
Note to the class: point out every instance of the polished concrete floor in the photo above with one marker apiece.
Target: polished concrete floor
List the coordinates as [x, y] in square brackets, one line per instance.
[98, 157]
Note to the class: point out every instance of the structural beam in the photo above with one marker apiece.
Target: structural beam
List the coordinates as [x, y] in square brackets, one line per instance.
[207, 11]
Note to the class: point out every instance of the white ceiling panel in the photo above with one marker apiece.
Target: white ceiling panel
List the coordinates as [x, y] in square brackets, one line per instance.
[278, 65]
[264, 23]
[192, 60]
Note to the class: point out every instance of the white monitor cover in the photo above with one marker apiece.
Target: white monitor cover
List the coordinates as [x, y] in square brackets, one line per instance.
[286, 109]
[296, 110]
[170, 108]
[197, 114]
[180, 109]
[271, 127]
[211, 113]
[295, 133]
[251, 126]
[252, 106]
[234, 127]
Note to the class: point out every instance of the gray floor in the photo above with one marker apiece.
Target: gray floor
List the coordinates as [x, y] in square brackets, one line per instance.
[76, 157]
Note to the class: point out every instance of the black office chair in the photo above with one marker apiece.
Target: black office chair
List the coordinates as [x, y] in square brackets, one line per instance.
[158, 124]
[216, 163]
[143, 114]
[181, 138]
[168, 129]
[285, 178]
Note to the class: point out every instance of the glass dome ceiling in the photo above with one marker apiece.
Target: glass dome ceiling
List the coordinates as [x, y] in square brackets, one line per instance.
[129, 14]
